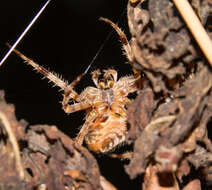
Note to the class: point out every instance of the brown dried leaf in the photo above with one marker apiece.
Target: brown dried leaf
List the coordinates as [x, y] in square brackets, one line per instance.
[193, 185]
[154, 180]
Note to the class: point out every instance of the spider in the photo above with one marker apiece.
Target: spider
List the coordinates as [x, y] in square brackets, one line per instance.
[105, 105]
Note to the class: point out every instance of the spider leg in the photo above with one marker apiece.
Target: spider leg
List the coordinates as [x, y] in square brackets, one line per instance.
[75, 107]
[47, 74]
[123, 38]
[125, 86]
[109, 72]
[127, 102]
[69, 93]
[124, 41]
[84, 130]
[95, 76]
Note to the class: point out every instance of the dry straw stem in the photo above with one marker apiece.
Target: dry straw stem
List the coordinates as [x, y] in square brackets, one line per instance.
[106, 185]
[24, 32]
[160, 120]
[195, 27]
[14, 143]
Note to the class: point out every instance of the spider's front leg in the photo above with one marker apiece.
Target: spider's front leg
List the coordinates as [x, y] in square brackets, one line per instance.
[70, 93]
[126, 46]
[74, 107]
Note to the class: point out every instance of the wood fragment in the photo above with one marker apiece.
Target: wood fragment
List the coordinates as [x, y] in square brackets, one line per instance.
[14, 143]
[195, 27]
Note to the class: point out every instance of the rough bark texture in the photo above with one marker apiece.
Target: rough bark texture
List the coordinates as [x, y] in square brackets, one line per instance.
[168, 122]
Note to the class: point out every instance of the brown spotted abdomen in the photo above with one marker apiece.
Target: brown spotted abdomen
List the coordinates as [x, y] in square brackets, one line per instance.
[106, 133]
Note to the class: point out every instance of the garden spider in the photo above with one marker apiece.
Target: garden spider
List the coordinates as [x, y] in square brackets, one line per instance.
[105, 106]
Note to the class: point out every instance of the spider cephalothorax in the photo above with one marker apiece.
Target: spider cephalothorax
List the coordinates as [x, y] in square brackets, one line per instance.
[105, 104]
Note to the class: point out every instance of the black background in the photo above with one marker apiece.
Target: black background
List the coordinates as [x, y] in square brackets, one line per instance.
[64, 39]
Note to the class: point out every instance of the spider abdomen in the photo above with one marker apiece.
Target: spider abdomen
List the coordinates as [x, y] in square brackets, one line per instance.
[106, 133]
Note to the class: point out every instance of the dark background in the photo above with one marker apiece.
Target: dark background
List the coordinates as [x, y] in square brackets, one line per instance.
[64, 39]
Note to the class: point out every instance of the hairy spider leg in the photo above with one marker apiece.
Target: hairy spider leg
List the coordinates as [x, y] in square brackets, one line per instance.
[84, 130]
[69, 93]
[47, 74]
[109, 72]
[95, 76]
[126, 46]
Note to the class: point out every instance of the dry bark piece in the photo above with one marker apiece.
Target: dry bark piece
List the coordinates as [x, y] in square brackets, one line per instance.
[168, 135]
[183, 169]
[168, 158]
[11, 167]
[142, 108]
[173, 122]
[106, 185]
[193, 185]
[146, 145]
[68, 159]
[173, 137]
[152, 180]
[136, 1]
[200, 158]
[161, 43]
